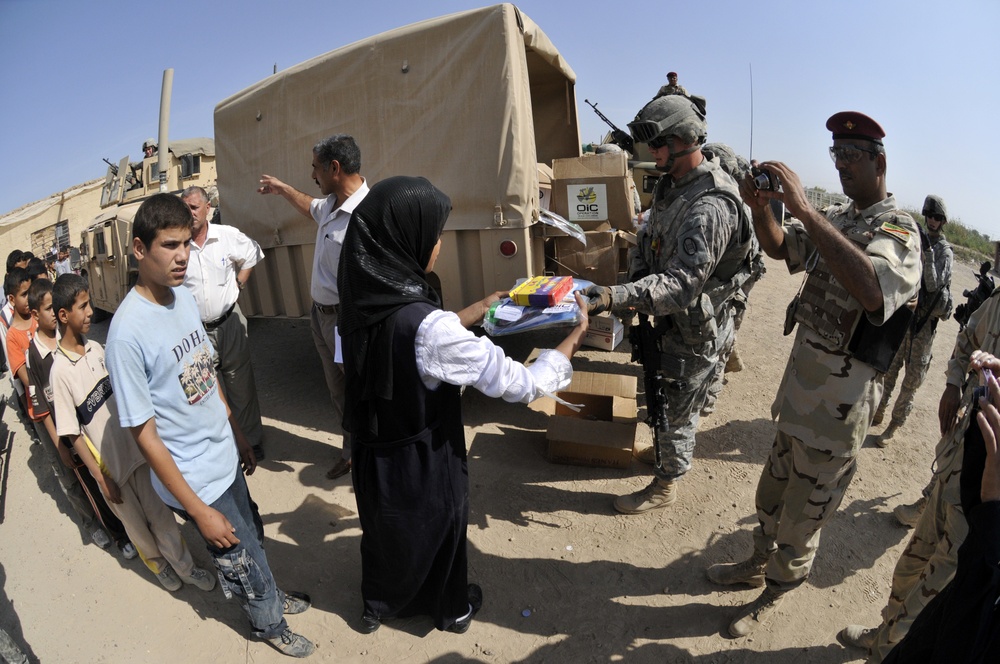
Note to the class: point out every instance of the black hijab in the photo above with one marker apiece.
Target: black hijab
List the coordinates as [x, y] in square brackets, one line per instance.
[388, 244]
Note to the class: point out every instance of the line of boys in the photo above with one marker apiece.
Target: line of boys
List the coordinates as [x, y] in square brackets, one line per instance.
[27, 355]
[68, 397]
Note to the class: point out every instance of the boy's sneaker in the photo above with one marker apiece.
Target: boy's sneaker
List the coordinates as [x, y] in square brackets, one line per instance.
[128, 551]
[101, 538]
[201, 579]
[168, 579]
[292, 644]
[296, 603]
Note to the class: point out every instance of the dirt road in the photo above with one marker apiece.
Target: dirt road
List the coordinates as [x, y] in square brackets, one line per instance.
[565, 578]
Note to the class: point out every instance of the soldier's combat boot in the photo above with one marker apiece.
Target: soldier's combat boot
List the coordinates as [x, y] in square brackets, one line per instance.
[749, 571]
[709, 407]
[879, 414]
[858, 636]
[734, 364]
[659, 493]
[757, 612]
[883, 439]
[908, 515]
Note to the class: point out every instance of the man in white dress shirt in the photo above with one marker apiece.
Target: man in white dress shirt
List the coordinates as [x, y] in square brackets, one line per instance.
[218, 268]
[336, 166]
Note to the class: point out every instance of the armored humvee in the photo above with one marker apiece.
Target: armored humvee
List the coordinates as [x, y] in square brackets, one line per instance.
[106, 246]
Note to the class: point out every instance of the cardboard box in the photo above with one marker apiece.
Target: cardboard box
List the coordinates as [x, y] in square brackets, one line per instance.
[602, 434]
[597, 262]
[592, 189]
[604, 332]
[541, 291]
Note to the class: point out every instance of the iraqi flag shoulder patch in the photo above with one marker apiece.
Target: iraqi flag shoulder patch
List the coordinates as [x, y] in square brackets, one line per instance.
[898, 233]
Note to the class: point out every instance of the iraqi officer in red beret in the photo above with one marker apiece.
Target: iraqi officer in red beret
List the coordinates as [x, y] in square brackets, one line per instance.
[862, 265]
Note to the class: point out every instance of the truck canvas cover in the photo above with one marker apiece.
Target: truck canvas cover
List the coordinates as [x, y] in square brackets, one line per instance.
[472, 101]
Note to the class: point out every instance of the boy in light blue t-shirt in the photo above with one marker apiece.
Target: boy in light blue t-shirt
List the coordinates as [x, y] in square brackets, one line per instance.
[162, 371]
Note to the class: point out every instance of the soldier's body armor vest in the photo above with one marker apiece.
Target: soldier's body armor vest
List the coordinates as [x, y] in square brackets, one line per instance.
[697, 324]
[829, 310]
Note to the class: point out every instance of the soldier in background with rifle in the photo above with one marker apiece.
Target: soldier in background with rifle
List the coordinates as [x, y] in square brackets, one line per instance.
[933, 304]
[690, 260]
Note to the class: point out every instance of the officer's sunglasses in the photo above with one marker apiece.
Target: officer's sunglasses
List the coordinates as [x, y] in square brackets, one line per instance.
[935, 217]
[849, 154]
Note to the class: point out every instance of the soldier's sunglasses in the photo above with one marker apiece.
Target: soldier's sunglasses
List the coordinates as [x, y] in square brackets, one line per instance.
[935, 217]
[849, 154]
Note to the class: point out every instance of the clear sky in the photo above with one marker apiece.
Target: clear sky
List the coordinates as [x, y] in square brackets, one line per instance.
[81, 80]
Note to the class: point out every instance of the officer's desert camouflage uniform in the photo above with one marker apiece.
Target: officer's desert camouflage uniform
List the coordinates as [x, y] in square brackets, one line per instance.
[915, 352]
[929, 561]
[671, 90]
[827, 397]
[695, 256]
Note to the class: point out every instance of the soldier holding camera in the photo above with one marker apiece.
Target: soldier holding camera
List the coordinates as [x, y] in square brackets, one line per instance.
[691, 259]
[862, 261]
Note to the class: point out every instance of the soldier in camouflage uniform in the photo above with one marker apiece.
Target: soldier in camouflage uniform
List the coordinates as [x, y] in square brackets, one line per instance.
[934, 305]
[931, 556]
[691, 258]
[729, 362]
[863, 265]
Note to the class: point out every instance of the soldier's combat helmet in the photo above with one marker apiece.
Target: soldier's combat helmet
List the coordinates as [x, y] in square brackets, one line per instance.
[672, 115]
[733, 164]
[149, 143]
[935, 205]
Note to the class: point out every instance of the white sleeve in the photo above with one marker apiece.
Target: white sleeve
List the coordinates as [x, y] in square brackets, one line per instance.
[448, 352]
[243, 251]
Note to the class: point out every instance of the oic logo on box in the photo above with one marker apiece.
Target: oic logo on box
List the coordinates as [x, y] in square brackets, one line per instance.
[587, 202]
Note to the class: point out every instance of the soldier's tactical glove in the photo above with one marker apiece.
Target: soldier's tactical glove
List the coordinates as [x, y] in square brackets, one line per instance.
[598, 299]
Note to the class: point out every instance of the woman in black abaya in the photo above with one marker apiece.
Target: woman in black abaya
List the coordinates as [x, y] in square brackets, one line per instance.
[405, 360]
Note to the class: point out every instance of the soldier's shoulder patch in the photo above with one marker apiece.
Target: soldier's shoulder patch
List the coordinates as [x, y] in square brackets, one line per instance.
[898, 233]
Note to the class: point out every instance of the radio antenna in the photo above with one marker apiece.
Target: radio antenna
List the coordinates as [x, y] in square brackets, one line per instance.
[750, 157]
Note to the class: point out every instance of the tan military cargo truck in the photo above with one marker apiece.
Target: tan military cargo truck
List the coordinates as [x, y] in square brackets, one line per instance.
[106, 246]
[472, 101]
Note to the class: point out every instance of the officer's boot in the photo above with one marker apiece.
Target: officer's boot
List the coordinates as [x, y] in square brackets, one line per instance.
[749, 571]
[908, 515]
[659, 493]
[757, 612]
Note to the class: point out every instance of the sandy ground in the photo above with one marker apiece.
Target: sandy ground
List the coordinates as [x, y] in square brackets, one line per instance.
[565, 578]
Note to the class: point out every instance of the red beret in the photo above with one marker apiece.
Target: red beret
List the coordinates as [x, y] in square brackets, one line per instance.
[671, 73]
[851, 124]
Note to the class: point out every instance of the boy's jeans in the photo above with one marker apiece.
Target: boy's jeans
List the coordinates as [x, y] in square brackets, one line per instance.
[243, 568]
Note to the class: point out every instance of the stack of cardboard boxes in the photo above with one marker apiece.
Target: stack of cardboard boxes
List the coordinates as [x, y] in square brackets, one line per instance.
[594, 191]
